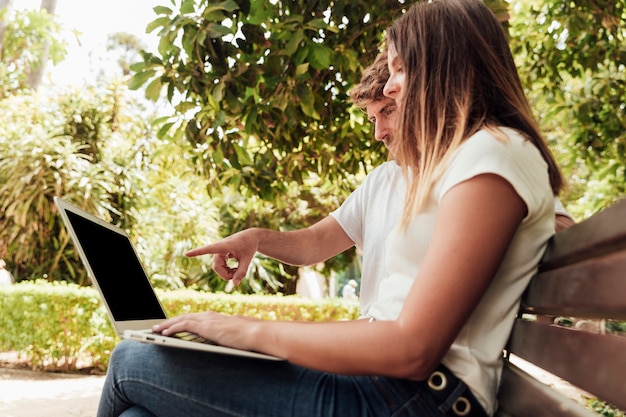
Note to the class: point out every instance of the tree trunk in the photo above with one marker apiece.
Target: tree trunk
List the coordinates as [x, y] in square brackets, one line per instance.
[3, 24]
[35, 75]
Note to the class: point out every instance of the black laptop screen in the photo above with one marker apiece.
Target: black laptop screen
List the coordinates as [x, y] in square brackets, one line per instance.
[117, 269]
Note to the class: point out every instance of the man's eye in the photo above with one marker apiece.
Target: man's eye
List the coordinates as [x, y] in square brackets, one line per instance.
[389, 112]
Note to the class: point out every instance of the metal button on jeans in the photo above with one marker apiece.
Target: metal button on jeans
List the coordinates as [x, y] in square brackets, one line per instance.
[437, 381]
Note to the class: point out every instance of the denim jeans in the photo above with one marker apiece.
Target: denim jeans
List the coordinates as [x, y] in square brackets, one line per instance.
[149, 380]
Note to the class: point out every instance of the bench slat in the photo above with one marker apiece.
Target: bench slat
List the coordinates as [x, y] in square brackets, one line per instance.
[521, 396]
[593, 362]
[602, 233]
[595, 288]
[582, 275]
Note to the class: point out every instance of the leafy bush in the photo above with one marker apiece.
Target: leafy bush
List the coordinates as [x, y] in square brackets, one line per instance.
[82, 146]
[603, 408]
[75, 147]
[61, 326]
[56, 326]
[616, 327]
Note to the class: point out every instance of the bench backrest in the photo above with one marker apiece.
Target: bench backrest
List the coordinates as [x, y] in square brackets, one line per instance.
[582, 275]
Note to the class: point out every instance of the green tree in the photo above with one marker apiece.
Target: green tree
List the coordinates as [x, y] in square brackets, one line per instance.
[127, 47]
[27, 41]
[263, 88]
[573, 56]
[260, 91]
[95, 146]
[263, 91]
[35, 73]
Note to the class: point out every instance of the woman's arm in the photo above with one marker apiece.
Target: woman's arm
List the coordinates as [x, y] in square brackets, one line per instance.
[476, 222]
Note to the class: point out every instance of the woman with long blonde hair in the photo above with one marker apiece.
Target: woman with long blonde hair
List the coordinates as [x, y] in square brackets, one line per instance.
[477, 218]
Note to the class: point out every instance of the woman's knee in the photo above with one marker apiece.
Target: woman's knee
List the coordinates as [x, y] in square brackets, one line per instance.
[128, 354]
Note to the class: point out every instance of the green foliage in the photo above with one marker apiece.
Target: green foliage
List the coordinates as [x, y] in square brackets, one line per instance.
[56, 326]
[96, 148]
[127, 47]
[22, 46]
[61, 326]
[266, 307]
[262, 133]
[603, 408]
[616, 327]
[261, 93]
[263, 89]
[58, 148]
[573, 60]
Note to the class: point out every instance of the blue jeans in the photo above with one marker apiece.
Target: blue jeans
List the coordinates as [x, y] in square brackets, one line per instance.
[149, 380]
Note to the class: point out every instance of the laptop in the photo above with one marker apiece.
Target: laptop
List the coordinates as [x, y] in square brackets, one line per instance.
[116, 272]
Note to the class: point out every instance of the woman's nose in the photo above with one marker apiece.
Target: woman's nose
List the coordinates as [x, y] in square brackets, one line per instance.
[390, 89]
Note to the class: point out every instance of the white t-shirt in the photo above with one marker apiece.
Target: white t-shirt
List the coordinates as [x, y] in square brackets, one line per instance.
[367, 217]
[476, 354]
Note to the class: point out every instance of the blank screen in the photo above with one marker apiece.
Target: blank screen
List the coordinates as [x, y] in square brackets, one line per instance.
[119, 273]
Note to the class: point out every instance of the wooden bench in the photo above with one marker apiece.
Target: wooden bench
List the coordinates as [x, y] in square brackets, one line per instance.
[582, 275]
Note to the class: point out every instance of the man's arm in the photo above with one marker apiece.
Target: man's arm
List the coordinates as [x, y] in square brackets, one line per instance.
[302, 247]
[562, 222]
[414, 344]
[563, 219]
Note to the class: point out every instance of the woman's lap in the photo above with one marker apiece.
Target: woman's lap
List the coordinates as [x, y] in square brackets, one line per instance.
[149, 380]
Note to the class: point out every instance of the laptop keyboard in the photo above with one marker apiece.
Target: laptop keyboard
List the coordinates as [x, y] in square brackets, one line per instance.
[192, 337]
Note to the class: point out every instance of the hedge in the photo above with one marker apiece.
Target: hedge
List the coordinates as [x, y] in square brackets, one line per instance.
[64, 327]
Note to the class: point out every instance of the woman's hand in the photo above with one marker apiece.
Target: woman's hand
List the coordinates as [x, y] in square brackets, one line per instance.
[225, 330]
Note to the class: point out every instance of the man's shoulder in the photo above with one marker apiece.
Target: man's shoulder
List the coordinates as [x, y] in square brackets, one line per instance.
[385, 178]
[389, 168]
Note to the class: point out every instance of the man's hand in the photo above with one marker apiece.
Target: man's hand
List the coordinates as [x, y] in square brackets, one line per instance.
[232, 256]
[562, 222]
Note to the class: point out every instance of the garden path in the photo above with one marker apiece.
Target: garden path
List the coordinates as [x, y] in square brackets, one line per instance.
[25, 393]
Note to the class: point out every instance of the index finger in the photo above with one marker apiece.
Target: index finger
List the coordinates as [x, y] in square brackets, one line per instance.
[210, 249]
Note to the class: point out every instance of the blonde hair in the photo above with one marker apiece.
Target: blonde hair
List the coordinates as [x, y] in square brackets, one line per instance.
[460, 78]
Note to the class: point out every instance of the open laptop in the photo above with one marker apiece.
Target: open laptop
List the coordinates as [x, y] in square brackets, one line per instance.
[112, 264]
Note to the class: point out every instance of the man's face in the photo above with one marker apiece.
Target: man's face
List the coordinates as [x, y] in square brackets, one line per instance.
[382, 113]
